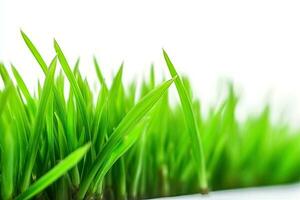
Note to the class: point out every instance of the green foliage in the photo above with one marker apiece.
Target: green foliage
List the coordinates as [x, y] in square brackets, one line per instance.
[57, 171]
[69, 141]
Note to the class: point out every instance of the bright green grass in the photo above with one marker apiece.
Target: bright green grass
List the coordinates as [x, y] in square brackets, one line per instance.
[116, 144]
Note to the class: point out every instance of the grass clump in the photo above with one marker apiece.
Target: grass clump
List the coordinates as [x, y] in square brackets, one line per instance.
[122, 143]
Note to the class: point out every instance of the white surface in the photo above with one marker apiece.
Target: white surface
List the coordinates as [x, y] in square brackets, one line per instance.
[256, 43]
[291, 192]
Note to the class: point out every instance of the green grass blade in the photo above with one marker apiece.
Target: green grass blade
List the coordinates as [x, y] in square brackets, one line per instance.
[34, 52]
[75, 87]
[191, 123]
[4, 97]
[8, 165]
[139, 166]
[124, 128]
[38, 125]
[5, 76]
[55, 173]
[7, 153]
[99, 73]
[22, 86]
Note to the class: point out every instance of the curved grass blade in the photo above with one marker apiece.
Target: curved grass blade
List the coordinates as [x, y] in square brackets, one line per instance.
[55, 173]
[124, 130]
[191, 123]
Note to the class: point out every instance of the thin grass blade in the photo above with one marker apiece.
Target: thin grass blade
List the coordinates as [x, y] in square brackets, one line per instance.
[35, 52]
[191, 124]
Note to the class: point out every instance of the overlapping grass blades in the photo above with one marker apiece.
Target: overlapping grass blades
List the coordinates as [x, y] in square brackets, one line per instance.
[55, 173]
[38, 123]
[120, 142]
[59, 140]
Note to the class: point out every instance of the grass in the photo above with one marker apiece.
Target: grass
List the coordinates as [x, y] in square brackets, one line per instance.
[120, 142]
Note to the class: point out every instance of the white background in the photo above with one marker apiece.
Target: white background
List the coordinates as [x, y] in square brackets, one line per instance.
[290, 192]
[254, 43]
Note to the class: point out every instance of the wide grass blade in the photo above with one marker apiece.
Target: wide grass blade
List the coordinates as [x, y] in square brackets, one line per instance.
[55, 173]
[191, 122]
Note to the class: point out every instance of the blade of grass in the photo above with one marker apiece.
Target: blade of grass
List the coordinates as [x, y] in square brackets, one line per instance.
[99, 73]
[138, 166]
[78, 95]
[8, 165]
[191, 124]
[35, 52]
[44, 67]
[38, 125]
[23, 87]
[4, 97]
[5, 76]
[7, 153]
[101, 165]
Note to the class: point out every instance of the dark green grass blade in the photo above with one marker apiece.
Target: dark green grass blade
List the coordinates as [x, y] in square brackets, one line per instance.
[124, 128]
[38, 125]
[34, 52]
[191, 124]
[55, 173]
